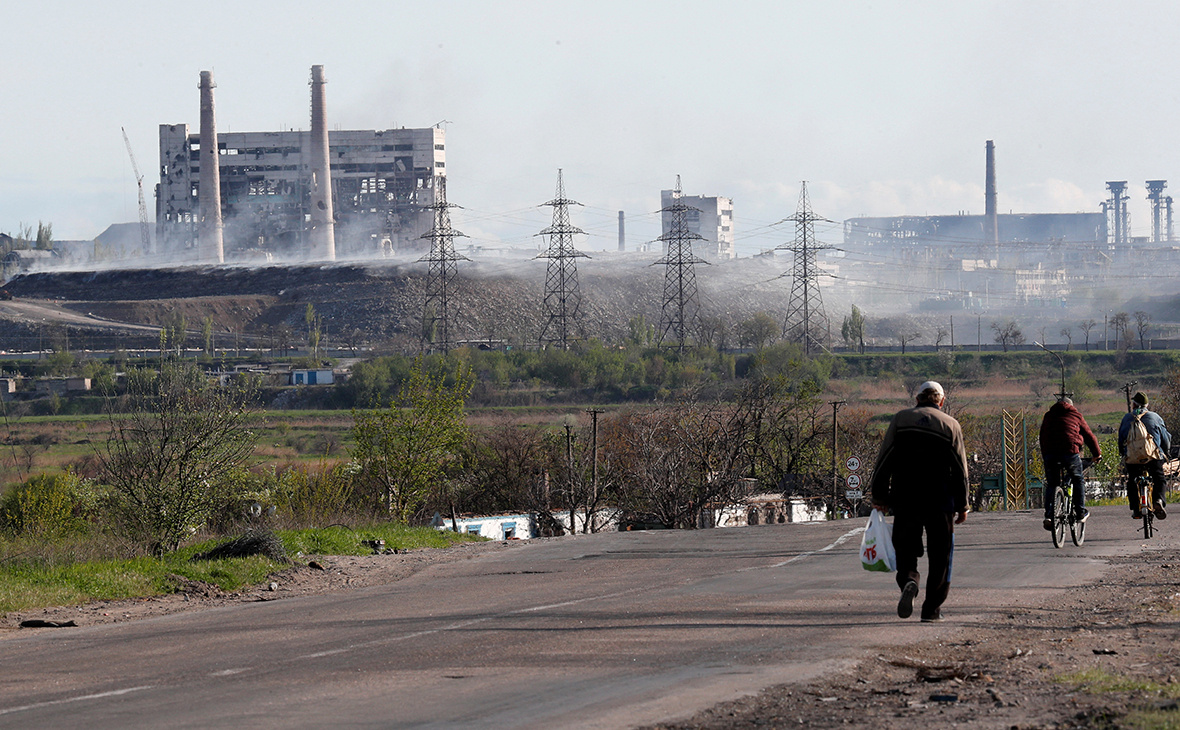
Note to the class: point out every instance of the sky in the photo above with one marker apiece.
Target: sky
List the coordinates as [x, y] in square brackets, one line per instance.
[884, 108]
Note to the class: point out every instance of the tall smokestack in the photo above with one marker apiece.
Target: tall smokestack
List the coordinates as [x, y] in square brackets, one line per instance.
[991, 226]
[210, 246]
[323, 226]
[622, 237]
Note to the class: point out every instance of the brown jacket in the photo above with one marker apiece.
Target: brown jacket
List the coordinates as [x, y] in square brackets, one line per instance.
[922, 464]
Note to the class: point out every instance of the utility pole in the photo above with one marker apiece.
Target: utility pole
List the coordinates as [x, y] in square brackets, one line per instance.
[593, 461]
[952, 332]
[835, 404]
[562, 295]
[441, 278]
[1127, 392]
[569, 475]
[680, 316]
[806, 321]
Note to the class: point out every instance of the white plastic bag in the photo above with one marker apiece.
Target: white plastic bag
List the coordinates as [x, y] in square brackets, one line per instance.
[876, 547]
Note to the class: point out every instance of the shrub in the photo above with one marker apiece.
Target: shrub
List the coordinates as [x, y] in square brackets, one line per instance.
[50, 505]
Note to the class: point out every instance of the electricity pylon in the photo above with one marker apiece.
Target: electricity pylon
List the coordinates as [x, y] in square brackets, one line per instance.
[443, 274]
[680, 316]
[563, 298]
[806, 321]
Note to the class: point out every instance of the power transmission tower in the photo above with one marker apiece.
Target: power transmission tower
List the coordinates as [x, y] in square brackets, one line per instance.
[443, 274]
[806, 321]
[680, 316]
[563, 298]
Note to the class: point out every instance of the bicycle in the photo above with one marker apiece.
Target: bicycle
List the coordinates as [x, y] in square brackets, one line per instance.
[1143, 482]
[1063, 513]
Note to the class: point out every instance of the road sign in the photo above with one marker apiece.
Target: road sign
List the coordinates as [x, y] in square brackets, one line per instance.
[853, 481]
[853, 494]
[853, 463]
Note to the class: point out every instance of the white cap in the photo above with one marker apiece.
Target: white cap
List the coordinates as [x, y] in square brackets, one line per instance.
[931, 387]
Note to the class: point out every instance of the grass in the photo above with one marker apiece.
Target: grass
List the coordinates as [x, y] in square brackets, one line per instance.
[1098, 681]
[34, 583]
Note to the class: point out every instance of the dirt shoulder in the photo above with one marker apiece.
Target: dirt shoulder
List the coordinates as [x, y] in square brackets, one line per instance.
[1102, 656]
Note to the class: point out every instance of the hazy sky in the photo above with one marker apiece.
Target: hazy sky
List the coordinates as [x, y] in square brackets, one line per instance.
[883, 107]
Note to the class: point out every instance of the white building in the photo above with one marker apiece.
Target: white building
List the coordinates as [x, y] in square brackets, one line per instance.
[710, 218]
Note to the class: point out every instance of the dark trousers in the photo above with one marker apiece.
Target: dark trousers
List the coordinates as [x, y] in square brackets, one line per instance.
[1155, 470]
[1073, 467]
[940, 548]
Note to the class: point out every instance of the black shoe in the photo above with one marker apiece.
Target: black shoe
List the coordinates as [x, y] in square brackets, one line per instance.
[905, 607]
[1048, 523]
[1081, 515]
[1160, 514]
[1136, 515]
[932, 618]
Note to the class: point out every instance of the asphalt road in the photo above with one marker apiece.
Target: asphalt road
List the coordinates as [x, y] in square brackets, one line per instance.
[597, 631]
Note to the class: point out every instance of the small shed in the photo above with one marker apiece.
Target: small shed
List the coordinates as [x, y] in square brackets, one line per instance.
[312, 377]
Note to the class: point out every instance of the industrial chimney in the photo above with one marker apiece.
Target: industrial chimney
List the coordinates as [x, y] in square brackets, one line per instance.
[991, 228]
[323, 226]
[210, 246]
[622, 233]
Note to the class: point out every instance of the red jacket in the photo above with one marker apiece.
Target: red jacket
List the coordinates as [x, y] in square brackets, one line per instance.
[1064, 431]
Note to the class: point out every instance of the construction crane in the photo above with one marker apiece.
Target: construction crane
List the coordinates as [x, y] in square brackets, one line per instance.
[145, 236]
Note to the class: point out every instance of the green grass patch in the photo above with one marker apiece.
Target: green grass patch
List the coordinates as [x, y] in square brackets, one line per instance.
[341, 540]
[37, 582]
[1098, 681]
[1152, 720]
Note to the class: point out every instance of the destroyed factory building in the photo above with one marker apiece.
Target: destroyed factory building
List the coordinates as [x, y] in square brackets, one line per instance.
[380, 182]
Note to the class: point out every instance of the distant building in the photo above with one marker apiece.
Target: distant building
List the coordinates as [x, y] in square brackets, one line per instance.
[380, 181]
[24, 260]
[312, 377]
[708, 217]
[521, 526]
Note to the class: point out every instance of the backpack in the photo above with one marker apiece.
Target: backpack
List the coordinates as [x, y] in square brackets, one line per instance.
[1141, 447]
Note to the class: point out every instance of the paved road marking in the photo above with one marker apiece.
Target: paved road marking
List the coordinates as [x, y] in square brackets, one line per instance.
[100, 695]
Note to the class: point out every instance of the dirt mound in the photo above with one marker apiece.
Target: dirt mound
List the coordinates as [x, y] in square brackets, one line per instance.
[381, 303]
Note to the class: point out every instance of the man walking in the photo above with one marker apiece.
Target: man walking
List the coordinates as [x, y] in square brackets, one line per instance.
[921, 474]
[1064, 432]
[1153, 464]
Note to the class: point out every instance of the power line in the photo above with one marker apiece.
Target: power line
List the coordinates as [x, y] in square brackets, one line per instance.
[680, 315]
[563, 298]
[806, 321]
[443, 274]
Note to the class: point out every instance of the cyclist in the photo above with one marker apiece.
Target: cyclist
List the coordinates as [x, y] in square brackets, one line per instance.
[1064, 432]
[1154, 467]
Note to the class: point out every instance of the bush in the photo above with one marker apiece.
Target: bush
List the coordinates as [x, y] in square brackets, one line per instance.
[50, 505]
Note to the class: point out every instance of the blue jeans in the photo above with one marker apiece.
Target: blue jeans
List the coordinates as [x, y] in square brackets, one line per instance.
[1073, 468]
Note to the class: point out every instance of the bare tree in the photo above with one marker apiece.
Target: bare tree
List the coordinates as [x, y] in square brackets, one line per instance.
[941, 336]
[1142, 323]
[1086, 326]
[1067, 333]
[1121, 323]
[1008, 334]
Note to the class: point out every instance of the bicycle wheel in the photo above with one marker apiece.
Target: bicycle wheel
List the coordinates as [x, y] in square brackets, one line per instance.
[1060, 517]
[1147, 519]
[1077, 531]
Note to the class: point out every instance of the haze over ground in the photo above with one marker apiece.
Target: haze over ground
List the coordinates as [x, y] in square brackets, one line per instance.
[883, 108]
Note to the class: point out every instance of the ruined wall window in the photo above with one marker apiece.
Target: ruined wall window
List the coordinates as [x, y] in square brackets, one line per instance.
[440, 164]
[439, 147]
[403, 148]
